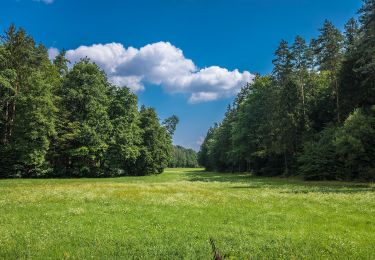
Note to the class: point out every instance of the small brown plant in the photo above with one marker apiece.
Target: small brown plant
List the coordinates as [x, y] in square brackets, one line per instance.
[215, 251]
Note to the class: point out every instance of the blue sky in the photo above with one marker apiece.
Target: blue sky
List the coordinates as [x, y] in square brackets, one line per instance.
[232, 38]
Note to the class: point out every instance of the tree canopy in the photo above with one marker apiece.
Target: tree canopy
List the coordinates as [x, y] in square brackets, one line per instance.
[183, 158]
[70, 121]
[313, 116]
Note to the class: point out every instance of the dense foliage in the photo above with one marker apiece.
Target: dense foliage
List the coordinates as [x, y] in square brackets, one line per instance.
[183, 158]
[61, 122]
[314, 115]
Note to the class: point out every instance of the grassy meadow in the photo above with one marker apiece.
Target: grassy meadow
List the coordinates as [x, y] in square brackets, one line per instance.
[174, 215]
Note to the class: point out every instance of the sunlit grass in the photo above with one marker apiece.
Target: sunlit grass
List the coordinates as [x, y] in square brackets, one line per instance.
[174, 215]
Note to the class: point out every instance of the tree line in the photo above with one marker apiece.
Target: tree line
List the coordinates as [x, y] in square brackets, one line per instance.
[314, 115]
[183, 158]
[69, 121]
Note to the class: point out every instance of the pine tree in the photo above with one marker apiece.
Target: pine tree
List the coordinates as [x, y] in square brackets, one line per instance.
[300, 63]
[204, 154]
[170, 124]
[365, 66]
[357, 75]
[283, 66]
[27, 80]
[330, 55]
[61, 63]
[351, 34]
[287, 105]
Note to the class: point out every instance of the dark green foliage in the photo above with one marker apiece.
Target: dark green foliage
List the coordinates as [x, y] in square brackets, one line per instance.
[61, 122]
[61, 63]
[319, 161]
[351, 34]
[283, 66]
[221, 145]
[84, 104]
[204, 155]
[253, 136]
[355, 146]
[357, 77]
[313, 116]
[330, 47]
[156, 146]
[34, 126]
[170, 124]
[183, 158]
[343, 153]
[125, 139]
[319, 106]
[27, 106]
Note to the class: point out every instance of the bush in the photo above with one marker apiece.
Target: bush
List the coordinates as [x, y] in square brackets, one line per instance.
[342, 153]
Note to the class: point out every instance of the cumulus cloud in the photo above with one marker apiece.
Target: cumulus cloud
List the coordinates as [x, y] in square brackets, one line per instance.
[202, 97]
[52, 53]
[161, 64]
[200, 141]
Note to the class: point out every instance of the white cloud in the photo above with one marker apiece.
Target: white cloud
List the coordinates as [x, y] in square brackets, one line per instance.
[52, 53]
[45, 1]
[200, 141]
[161, 64]
[202, 97]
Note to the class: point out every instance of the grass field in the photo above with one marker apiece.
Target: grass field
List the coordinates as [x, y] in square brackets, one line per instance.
[174, 215]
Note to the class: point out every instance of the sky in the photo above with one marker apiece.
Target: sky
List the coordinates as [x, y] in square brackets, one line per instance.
[182, 57]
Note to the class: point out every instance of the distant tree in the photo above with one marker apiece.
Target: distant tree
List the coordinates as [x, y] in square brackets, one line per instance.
[320, 108]
[300, 56]
[156, 145]
[204, 154]
[170, 124]
[253, 131]
[330, 55]
[351, 33]
[287, 106]
[61, 63]
[221, 148]
[283, 66]
[183, 158]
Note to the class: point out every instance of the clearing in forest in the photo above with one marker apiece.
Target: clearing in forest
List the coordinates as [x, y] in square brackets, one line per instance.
[176, 214]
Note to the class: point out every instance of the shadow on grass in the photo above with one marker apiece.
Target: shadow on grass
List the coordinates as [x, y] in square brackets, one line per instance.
[285, 185]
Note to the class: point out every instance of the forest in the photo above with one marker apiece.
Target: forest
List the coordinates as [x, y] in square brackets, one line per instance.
[58, 120]
[183, 158]
[313, 116]
[89, 171]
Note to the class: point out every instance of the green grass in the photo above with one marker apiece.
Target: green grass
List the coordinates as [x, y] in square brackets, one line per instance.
[174, 215]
